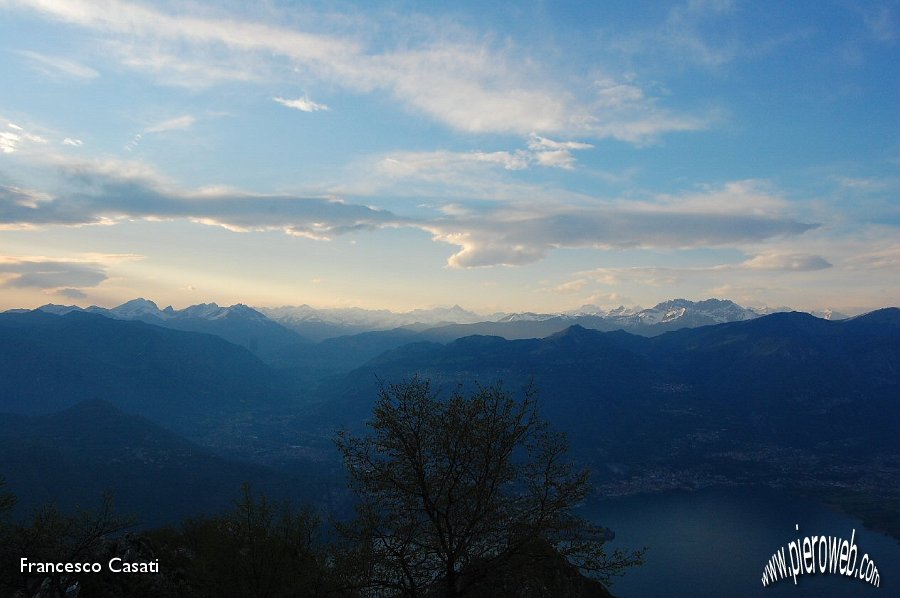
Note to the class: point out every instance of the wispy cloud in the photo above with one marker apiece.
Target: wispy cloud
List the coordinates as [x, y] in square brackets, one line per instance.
[516, 238]
[448, 166]
[457, 78]
[15, 137]
[651, 276]
[508, 234]
[573, 286]
[30, 139]
[881, 21]
[794, 262]
[865, 184]
[303, 104]
[177, 123]
[102, 192]
[681, 36]
[67, 276]
[56, 66]
[558, 154]
[172, 124]
[441, 165]
[523, 232]
[72, 293]
[43, 273]
[773, 260]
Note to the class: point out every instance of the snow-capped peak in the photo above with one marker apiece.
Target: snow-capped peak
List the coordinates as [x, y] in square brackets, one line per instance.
[136, 308]
[527, 317]
[203, 311]
[59, 310]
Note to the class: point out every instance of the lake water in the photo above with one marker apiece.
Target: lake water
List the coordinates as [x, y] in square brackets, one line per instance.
[716, 542]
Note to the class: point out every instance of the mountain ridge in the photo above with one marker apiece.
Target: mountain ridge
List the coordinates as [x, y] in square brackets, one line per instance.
[320, 324]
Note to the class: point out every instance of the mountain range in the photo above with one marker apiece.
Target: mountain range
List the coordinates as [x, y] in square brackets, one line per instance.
[238, 324]
[312, 342]
[783, 399]
[761, 375]
[193, 383]
[320, 324]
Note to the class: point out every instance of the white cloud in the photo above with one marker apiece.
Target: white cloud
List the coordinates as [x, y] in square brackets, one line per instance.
[9, 142]
[556, 154]
[72, 141]
[509, 160]
[303, 104]
[556, 159]
[12, 140]
[538, 143]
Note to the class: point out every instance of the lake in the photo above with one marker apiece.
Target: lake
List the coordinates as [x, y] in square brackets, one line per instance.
[716, 542]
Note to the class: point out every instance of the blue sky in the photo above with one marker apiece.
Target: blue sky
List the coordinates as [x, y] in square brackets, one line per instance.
[517, 156]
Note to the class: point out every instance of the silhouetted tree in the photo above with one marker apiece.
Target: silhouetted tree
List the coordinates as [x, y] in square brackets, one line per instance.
[452, 490]
[259, 549]
[55, 537]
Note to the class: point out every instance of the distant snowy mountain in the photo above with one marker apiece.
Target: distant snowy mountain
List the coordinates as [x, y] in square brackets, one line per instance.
[329, 322]
[137, 309]
[57, 310]
[142, 309]
[687, 314]
[527, 317]
[829, 314]
[238, 324]
[319, 324]
[267, 329]
[825, 314]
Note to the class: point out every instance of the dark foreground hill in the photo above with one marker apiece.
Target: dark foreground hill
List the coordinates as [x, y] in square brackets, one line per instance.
[71, 457]
[193, 383]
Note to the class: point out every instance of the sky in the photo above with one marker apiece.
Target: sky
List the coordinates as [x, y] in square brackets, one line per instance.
[503, 156]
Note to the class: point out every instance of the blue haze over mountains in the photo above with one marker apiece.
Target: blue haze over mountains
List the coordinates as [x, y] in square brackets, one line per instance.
[684, 395]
